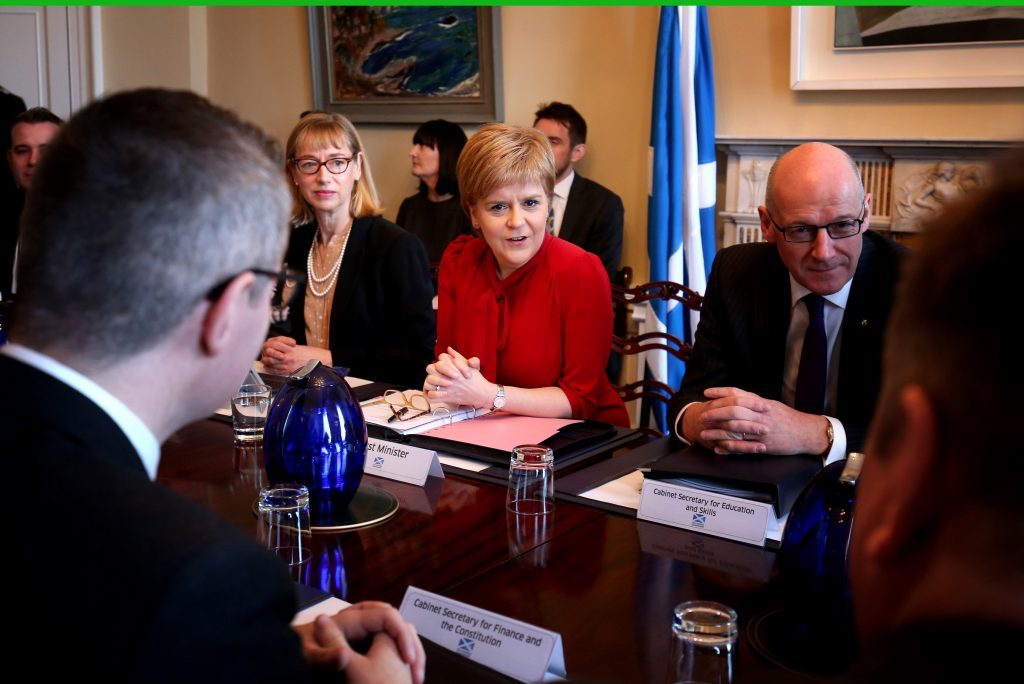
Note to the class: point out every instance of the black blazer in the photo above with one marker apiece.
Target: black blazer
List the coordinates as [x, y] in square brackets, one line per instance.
[593, 220]
[382, 322]
[10, 215]
[741, 339]
[143, 584]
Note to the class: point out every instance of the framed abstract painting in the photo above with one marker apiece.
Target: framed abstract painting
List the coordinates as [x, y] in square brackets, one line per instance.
[407, 64]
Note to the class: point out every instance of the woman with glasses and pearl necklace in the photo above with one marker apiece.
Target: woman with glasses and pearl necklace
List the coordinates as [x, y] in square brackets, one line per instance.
[366, 303]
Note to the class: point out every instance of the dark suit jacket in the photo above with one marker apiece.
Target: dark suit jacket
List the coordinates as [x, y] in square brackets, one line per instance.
[950, 650]
[593, 221]
[10, 216]
[741, 339]
[382, 322]
[10, 197]
[118, 578]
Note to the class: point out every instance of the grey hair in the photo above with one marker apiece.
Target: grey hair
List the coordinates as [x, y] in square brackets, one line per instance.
[144, 201]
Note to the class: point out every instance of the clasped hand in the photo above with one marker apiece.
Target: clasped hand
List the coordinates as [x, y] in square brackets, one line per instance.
[734, 421]
[457, 381]
[395, 654]
[282, 355]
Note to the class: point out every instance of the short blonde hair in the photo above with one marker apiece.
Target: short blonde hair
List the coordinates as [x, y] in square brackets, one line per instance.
[319, 130]
[500, 155]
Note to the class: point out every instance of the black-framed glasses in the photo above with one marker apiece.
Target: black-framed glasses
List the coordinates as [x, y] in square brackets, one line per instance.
[311, 167]
[837, 230]
[280, 278]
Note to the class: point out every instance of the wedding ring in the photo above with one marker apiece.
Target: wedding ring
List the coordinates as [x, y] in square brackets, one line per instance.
[437, 388]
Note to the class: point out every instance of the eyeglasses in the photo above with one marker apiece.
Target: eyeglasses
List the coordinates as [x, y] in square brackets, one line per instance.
[279, 278]
[836, 230]
[403, 406]
[311, 167]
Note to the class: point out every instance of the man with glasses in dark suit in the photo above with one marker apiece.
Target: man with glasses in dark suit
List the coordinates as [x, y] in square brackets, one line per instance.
[152, 224]
[786, 358]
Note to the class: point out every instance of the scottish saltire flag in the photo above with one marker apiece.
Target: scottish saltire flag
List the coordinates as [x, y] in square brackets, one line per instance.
[681, 207]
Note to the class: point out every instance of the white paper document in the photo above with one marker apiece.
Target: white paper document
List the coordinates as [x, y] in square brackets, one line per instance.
[623, 491]
[379, 412]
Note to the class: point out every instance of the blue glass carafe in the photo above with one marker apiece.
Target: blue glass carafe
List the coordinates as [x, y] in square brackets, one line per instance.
[813, 563]
[316, 436]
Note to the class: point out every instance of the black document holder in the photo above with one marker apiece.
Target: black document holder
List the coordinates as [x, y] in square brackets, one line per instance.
[777, 480]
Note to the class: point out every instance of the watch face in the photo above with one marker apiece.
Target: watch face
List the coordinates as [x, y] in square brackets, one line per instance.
[499, 402]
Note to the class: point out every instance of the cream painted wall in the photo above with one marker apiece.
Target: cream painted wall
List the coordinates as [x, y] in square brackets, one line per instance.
[751, 57]
[146, 46]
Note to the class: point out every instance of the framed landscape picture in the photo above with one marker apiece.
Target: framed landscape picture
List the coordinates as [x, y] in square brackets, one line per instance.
[407, 64]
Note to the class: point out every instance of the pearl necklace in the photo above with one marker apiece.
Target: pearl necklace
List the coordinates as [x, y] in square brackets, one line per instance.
[332, 275]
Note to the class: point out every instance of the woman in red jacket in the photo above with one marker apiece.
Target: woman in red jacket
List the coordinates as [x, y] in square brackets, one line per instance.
[524, 319]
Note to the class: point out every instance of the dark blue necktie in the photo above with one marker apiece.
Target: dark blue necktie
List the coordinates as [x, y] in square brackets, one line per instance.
[810, 379]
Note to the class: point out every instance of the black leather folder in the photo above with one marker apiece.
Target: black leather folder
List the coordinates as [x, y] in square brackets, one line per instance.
[777, 480]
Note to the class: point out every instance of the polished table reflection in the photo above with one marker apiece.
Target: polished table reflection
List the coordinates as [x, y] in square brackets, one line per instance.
[607, 583]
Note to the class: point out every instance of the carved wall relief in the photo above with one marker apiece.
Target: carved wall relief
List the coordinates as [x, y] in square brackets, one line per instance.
[928, 191]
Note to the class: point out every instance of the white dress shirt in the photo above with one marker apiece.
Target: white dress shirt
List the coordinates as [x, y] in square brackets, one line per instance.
[559, 200]
[140, 436]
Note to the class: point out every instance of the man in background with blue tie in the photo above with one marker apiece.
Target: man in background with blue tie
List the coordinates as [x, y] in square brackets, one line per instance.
[787, 355]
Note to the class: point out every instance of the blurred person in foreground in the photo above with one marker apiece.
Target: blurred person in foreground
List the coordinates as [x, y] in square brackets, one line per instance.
[937, 549]
[366, 302]
[524, 318]
[434, 214]
[145, 294]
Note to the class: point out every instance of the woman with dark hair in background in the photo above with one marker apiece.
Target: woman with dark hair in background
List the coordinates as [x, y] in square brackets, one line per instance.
[365, 304]
[434, 214]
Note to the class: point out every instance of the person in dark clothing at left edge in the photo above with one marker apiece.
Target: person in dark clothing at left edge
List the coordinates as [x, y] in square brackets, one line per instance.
[29, 134]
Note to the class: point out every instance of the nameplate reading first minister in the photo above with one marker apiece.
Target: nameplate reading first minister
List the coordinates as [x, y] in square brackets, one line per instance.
[509, 646]
[703, 511]
[401, 462]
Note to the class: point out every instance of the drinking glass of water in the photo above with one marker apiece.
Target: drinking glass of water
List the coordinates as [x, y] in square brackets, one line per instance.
[249, 409]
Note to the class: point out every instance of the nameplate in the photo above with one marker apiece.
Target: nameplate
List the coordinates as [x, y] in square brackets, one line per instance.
[514, 648]
[702, 511]
[401, 462]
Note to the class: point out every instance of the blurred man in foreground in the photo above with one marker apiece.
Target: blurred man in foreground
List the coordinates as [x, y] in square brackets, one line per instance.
[937, 551]
[144, 295]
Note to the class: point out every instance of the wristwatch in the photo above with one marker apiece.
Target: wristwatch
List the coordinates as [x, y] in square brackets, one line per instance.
[499, 400]
[830, 435]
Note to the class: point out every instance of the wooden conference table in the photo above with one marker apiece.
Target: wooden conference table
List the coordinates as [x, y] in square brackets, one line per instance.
[606, 582]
